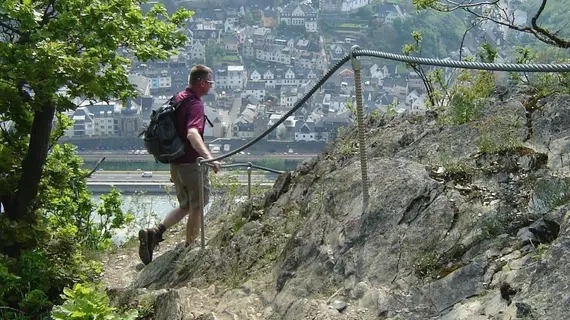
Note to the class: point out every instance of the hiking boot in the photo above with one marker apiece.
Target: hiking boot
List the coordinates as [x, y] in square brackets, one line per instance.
[148, 239]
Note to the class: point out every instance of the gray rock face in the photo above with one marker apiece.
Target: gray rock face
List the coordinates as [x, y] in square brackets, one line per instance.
[551, 132]
[167, 306]
[457, 286]
[464, 222]
[154, 274]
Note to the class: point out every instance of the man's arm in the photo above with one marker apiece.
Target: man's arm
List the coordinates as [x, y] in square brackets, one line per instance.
[198, 144]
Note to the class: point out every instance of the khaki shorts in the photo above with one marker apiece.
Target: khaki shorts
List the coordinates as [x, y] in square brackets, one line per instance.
[185, 177]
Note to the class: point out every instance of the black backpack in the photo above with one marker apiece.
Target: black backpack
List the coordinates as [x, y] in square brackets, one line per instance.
[160, 137]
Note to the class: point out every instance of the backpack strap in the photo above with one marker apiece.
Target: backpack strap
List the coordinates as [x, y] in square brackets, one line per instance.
[172, 101]
[188, 97]
[209, 122]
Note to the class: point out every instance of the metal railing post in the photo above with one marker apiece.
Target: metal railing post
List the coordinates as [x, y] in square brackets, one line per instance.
[201, 197]
[249, 180]
[360, 120]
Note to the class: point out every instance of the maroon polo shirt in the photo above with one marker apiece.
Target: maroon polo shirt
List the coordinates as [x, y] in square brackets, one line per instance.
[190, 114]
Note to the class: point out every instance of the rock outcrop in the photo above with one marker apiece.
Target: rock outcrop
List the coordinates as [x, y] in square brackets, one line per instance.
[464, 222]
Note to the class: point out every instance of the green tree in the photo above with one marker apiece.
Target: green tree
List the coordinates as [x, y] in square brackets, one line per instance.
[366, 12]
[214, 51]
[282, 28]
[544, 84]
[467, 98]
[73, 44]
[51, 53]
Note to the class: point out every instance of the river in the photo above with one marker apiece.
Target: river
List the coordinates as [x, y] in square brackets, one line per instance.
[148, 210]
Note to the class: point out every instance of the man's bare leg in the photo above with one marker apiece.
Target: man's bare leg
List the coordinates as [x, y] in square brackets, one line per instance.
[173, 217]
[192, 225]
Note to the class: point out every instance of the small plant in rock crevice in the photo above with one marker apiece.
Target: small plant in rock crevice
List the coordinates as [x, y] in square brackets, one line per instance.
[541, 250]
[426, 265]
[498, 134]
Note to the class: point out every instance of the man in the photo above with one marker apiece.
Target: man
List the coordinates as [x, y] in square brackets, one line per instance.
[184, 171]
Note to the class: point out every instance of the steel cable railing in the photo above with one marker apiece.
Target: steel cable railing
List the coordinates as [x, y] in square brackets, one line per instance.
[250, 166]
[297, 105]
[357, 52]
[360, 121]
[513, 67]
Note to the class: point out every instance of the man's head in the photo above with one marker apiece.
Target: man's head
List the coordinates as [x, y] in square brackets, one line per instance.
[201, 79]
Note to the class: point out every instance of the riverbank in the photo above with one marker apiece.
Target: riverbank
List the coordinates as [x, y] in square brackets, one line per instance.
[275, 163]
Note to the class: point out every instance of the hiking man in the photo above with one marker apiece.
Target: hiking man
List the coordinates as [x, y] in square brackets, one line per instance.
[184, 171]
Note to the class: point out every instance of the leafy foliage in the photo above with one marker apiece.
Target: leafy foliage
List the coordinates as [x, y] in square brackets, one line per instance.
[52, 55]
[438, 41]
[53, 52]
[543, 83]
[468, 96]
[461, 102]
[416, 48]
[88, 301]
[213, 52]
[56, 243]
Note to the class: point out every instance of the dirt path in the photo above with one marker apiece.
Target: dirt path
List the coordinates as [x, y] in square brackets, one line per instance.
[121, 267]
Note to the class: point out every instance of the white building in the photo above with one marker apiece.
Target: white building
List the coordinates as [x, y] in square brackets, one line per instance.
[230, 77]
[82, 124]
[97, 119]
[299, 15]
[343, 5]
[306, 131]
[161, 81]
[274, 53]
[288, 97]
[198, 52]
[256, 89]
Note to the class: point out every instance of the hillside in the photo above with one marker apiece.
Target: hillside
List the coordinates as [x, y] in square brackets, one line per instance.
[464, 222]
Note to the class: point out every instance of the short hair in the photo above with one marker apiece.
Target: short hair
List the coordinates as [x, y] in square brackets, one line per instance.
[199, 72]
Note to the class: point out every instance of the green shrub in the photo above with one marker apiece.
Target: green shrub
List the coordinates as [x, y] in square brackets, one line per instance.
[88, 302]
[45, 252]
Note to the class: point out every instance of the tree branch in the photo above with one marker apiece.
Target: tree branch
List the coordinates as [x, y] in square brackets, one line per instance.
[18, 204]
[88, 175]
[26, 97]
[533, 22]
[12, 309]
[58, 132]
[518, 28]
[6, 136]
[473, 25]
[48, 15]
[534, 29]
[470, 4]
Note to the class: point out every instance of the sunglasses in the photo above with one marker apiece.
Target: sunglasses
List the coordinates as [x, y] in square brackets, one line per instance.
[208, 81]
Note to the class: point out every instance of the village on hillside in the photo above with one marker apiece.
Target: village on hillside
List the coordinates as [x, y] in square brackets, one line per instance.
[264, 60]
